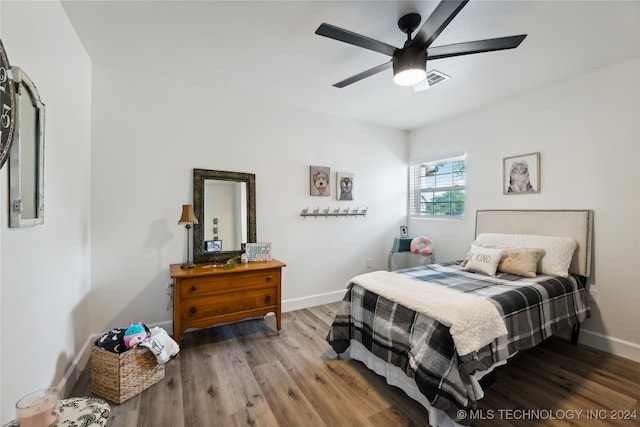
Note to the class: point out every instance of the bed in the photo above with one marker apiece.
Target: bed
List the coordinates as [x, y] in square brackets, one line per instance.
[435, 331]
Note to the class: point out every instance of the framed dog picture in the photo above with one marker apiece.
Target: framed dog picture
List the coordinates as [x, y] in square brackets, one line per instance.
[521, 174]
[319, 181]
[344, 185]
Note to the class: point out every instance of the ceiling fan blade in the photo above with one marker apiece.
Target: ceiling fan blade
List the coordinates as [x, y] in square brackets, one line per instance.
[363, 75]
[478, 46]
[437, 22]
[346, 36]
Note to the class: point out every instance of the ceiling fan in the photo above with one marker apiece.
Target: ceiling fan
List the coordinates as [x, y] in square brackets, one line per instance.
[409, 63]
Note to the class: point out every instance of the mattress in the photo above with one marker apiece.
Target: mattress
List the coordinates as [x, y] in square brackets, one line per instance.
[423, 348]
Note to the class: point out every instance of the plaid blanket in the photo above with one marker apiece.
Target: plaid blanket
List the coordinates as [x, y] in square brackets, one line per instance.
[533, 309]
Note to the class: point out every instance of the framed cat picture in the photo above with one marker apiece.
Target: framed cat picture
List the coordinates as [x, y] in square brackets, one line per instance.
[521, 174]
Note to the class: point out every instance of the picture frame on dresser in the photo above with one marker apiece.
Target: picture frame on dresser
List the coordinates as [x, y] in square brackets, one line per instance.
[258, 251]
[212, 246]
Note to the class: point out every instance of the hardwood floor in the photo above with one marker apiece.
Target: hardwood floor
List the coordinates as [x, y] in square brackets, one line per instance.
[244, 374]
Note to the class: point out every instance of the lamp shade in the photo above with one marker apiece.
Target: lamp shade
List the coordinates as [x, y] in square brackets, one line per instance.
[188, 217]
[409, 66]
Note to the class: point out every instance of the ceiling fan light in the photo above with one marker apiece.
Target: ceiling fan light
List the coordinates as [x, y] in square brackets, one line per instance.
[409, 77]
[409, 66]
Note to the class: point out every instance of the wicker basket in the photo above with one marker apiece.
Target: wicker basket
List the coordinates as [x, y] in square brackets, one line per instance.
[118, 377]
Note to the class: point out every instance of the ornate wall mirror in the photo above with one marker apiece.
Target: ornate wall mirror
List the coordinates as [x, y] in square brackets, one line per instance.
[26, 159]
[225, 205]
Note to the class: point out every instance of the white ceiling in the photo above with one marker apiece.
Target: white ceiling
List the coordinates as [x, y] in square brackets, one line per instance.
[268, 49]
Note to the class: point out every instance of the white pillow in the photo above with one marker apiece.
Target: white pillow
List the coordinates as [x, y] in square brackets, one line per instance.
[468, 255]
[483, 260]
[558, 251]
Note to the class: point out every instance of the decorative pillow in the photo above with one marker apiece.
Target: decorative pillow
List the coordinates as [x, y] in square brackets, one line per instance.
[483, 260]
[558, 251]
[520, 261]
[464, 262]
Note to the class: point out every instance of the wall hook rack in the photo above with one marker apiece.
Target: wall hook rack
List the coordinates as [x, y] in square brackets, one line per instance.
[333, 212]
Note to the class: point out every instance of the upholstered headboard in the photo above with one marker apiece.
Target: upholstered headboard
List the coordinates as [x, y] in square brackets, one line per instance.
[577, 224]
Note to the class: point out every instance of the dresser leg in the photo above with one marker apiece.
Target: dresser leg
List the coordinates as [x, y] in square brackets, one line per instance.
[277, 322]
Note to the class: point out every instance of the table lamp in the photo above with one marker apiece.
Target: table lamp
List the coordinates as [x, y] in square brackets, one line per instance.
[188, 218]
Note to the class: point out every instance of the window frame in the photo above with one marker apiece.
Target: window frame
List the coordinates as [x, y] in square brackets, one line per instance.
[415, 168]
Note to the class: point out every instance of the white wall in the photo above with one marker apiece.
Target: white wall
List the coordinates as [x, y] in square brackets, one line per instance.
[586, 130]
[44, 274]
[151, 130]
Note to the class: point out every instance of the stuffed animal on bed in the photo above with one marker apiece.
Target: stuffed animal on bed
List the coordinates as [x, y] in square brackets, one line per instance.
[135, 333]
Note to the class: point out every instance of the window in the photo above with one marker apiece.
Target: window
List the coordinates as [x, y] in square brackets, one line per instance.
[436, 189]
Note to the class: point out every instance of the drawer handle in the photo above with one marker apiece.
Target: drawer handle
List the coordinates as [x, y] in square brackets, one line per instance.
[193, 310]
[268, 278]
[194, 288]
[267, 298]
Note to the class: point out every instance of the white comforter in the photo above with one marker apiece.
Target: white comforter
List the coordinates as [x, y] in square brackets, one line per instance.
[472, 320]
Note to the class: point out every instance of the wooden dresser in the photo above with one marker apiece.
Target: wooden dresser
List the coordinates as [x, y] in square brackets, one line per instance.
[205, 295]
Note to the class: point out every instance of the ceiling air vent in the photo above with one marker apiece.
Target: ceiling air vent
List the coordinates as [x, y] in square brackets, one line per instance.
[433, 78]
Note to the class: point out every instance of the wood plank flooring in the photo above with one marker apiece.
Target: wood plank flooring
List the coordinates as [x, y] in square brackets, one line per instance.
[244, 374]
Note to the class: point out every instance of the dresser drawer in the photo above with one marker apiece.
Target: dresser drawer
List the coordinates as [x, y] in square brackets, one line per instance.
[225, 303]
[201, 286]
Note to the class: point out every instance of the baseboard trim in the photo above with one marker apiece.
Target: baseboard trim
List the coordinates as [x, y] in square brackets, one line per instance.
[619, 347]
[76, 368]
[312, 300]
